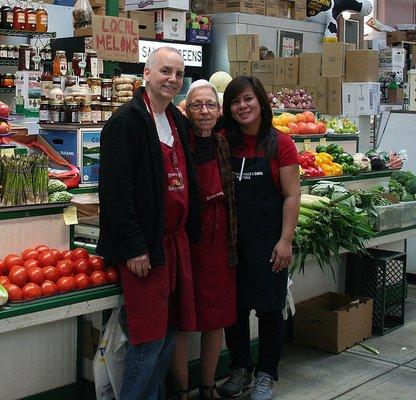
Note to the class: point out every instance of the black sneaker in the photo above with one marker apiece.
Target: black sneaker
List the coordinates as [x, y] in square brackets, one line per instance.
[239, 380]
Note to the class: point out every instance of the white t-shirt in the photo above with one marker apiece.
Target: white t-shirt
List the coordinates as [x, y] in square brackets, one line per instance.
[163, 128]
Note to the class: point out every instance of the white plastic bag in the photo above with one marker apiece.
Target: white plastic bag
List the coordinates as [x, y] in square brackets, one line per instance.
[108, 363]
[82, 14]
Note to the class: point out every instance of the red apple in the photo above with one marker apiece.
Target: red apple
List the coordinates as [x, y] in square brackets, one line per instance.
[4, 127]
[4, 110]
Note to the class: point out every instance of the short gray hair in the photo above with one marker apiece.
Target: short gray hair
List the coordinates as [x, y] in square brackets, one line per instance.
[201, 83]
[151, 59]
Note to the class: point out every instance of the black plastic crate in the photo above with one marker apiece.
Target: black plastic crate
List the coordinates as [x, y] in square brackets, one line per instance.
[381, 275]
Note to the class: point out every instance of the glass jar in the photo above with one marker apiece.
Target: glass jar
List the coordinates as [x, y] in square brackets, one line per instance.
[30, 17]
[92, 63]
[106, 111]
[72, 112]
[48, 55]
[8, 80]
[70, 81]
[1, 80]
[16, 52]
[106, 90]
[85, 114]
[137, 83]
[18, 17]
[57, 112]
[95, 112]
[60, 65]
[24, 57]
[46, 81]
[76, 59]
[95, 86]
[3, 51]
[41, 18]
[10, 52]
[6, 16]
[44, 111]
[56, 95]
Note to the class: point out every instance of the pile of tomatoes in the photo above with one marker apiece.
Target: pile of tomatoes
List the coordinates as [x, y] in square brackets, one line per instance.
[42, 271]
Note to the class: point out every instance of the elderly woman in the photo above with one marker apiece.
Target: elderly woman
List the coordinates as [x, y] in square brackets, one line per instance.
[214, 257]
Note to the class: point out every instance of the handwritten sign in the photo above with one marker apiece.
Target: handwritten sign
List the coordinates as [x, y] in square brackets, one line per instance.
[115, 39]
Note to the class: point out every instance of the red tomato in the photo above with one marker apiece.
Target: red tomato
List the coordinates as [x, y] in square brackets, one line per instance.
[46, 258]
[65, 267]
[303, 128]
[98, 278]
[51, 273]
[3, 269]
[4, 280]
[310, 116]
[96, 263]
[66, 255]
[312, 128]
[31, 291]
[82, 265]
[321, 127]
[49, 288]
[79, 252]
[82, 281]
[66, 284]
[57, 254]
[31, 263]
[294, 129]
[12, 259]
[18, 275]
[29, 254]
[112, 275]
[15, 293]
[41, 248]
[35, 275]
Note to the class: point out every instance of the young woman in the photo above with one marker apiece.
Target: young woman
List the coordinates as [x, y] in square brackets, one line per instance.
[267, 192]
[214, 257]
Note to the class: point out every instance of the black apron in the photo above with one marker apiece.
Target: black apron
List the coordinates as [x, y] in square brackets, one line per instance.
[259, 210]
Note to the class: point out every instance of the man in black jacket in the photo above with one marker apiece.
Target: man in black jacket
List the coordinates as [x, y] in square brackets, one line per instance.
[148, 211]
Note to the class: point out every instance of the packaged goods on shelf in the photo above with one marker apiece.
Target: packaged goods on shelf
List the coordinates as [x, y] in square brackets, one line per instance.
[361, 66]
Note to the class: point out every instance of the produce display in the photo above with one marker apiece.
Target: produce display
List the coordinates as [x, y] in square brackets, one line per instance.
[42, 271]
[24, 179]
[289, 99]
[304, 123]
[402, 185]
[5, 126]
[341, 126]
[57, 191]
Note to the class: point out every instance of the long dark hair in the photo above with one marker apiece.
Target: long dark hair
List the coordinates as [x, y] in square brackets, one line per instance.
[267, 138]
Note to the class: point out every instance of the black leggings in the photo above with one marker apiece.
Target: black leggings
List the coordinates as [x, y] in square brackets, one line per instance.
[271, 337]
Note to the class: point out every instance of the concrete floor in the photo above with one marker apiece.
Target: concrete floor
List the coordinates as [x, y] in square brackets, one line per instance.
[307, 374]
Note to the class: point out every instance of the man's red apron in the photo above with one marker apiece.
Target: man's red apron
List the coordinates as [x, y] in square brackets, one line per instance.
[214, 281]
[165, 297]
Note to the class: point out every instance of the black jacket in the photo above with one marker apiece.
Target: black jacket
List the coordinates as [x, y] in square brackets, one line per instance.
[131, 185]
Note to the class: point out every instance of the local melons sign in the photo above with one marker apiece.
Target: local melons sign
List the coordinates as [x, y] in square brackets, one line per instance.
[115, 39]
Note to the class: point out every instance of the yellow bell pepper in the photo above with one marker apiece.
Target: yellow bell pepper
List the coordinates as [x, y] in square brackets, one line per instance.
[326, 156]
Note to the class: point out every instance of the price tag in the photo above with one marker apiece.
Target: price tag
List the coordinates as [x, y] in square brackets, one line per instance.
[322, 140]
[70, 215]
[307, 145]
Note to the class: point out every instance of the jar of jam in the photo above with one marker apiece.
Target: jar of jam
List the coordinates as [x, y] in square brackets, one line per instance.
[76, 59]
[24, 57]
[106, 90]
[56, 95]
[10, 52]
[8, 80]
[72, 113]
[85, 114]
[60, 65]
[95, 112]
[95, 86]
[115, 106]
[106, 111]
[15, 52]
[18, 16]
[57, 112]
[70, 81]
[44, 111]
[3, 51]
[6, 16]
[92, 63]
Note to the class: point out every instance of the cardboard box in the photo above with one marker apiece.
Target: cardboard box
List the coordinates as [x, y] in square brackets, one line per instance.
[170, 25]
[395, 96]
[391, 74]
[300, 10]
[396, 37]
[264, 71]
[123, 14]
[332, 322]
[272, 8]
[392, 57]
[202, 6]
[334, 95]
[240, 68]
[248, 7]
[133, 5]
[243, 47]
[292, 71]
[376, 44]
[279, 71]
[319, 94]
[310, 68]
[360, 98]
[286, 9]
[146, 22]
[333, 59]
[79, 32]
[361, 66]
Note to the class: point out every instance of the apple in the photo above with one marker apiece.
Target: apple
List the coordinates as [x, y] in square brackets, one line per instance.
[4, 110]
[4, 127]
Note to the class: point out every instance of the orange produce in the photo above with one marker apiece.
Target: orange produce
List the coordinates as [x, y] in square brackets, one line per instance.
[300, 118]
[321, 127]
[303, 128]
[294, 129]
[310, 116]
[312, 128]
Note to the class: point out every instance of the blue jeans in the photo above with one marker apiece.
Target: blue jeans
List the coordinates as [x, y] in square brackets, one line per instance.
[145, 369]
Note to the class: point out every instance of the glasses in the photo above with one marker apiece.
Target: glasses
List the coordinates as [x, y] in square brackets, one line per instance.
[211, 106]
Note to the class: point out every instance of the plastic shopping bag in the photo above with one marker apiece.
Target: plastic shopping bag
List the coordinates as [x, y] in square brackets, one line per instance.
[82, 14]
[108, 363]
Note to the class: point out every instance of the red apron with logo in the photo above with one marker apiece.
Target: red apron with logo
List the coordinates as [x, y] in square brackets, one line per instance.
[214, 281]
[165, 297]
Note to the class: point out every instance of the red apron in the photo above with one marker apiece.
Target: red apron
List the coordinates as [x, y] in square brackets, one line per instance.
[214, 281]
[165, 297]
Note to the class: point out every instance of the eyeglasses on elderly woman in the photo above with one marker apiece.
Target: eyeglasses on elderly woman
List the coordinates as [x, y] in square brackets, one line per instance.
[210, 106]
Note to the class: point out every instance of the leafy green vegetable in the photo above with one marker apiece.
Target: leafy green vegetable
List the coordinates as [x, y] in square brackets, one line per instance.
[396, 189]
[402, 176]
[408, 197]
[58, 197]
[55, 185]
[410, 186]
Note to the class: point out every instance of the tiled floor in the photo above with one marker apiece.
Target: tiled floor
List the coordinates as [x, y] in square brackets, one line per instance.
[358, 374]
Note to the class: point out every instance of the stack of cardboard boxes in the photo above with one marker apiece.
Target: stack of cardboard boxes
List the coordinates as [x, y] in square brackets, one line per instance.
[273, 8]
[392, 69]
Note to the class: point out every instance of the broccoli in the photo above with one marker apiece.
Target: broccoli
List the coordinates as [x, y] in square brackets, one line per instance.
[408, 197]
[402, 176]
[378, 189]
[55, 185]
[411, 186]
[396, 189]
[58, 197]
